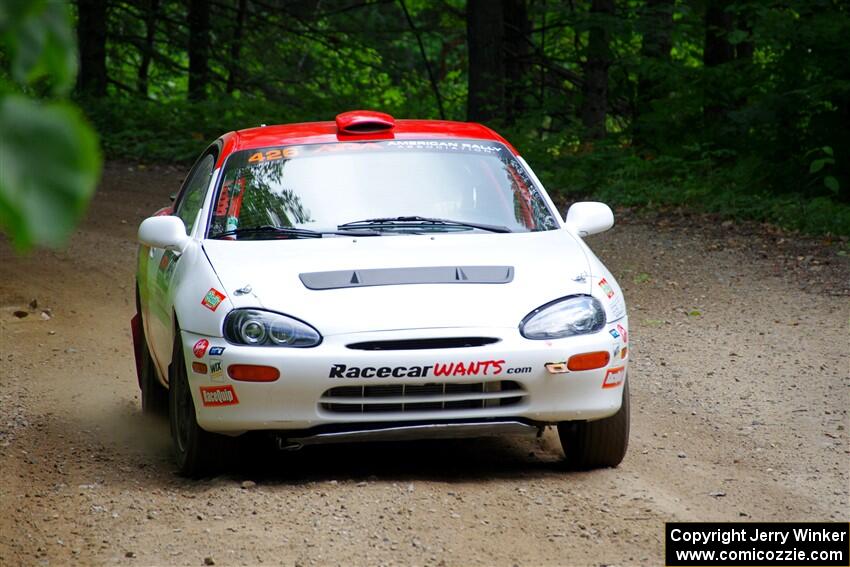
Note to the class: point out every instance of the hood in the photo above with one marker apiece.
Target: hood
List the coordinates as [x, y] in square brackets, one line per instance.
[543, 266]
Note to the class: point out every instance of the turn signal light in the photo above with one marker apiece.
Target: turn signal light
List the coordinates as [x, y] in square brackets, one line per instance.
[253, 373]
[589, 360]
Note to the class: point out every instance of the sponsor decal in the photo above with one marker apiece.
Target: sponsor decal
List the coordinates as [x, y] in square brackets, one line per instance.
[216, 350]
[444, 145]
[616, 351]
[606, 288]
[557, 367]
[614, 333]
[438, 369]
[166, 267]
[624, 353]
[623, 332]
[212, 299]
[213, 396]
[200, 348]
[199, 368]
[216, 370]
[614, 377]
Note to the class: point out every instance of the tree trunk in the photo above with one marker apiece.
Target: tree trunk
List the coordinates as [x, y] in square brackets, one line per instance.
[91, 36]
[485, 38]
[435, 87]
[656, 27]
[236, 46]
[594, 105]
[717, 51]
[199, 46]
[148, 47]
[517, 29]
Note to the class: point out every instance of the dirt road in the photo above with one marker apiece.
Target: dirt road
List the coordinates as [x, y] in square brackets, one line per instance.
[740, 397]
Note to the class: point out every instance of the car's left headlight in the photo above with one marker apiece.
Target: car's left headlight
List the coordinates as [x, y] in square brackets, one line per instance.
[254, 327]
[565, 317]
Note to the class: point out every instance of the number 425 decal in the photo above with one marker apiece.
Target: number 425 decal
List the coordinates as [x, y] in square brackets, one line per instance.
[271, 155]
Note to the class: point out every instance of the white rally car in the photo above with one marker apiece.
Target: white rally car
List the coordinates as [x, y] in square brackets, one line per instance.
[374, 279]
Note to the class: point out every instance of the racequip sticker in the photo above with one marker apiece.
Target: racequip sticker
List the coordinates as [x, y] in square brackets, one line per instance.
[216, 350]
[474, 368]
[212, 299]
[200, 348]
[614, 377]
[213, 396]
[606, 288]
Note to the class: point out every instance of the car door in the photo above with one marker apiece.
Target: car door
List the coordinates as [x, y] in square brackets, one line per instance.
[162, 263]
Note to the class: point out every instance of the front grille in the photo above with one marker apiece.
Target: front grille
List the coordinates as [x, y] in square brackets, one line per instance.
[385, 398]
[422, 344]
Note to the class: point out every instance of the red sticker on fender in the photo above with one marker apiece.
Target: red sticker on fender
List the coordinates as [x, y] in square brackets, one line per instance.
[200, 348]
[614, 377]
[606, 288]
[623, 332]
[212, 299]
[212, 396]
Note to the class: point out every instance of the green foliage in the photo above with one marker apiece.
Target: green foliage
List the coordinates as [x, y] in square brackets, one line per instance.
[40, 43]
[49, 157]
[701, 181]
[50, 164]
[753, 135]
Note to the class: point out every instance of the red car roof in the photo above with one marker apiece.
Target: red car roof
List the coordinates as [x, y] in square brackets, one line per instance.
[324, 132]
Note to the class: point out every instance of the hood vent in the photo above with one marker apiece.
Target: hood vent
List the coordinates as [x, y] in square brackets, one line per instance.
[424, 344]
[403, 276]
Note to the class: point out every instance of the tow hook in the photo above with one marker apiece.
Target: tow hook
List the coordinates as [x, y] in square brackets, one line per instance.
[284, 444]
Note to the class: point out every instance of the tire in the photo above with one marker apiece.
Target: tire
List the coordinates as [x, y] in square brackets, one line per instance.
[197, 452]
[597, 444]
[154, 396]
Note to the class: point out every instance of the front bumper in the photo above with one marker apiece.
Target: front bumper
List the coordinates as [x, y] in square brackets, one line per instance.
[295, 401]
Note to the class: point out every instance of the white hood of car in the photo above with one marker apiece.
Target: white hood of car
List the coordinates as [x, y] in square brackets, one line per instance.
[546, 266]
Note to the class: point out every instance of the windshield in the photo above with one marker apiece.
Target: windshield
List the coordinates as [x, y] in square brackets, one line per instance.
[322, 186]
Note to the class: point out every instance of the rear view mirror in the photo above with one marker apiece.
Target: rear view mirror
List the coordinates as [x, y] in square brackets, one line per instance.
[589, 217]
[165, 231]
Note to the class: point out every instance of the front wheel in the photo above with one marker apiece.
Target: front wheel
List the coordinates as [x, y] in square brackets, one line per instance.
[197, 452]
[154, 396]
[597, 444]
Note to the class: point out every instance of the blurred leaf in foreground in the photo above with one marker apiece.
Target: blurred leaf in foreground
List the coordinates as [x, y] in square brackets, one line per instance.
[49, 165]
[49, 156]
[40, 40]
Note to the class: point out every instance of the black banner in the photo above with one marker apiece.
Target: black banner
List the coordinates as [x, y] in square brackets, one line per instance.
[806, 544]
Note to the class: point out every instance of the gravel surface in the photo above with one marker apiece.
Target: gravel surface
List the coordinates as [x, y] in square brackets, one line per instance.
[739, 377]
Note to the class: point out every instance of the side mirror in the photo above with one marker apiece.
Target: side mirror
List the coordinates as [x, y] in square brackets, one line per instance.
[589, 217]
[165, 231]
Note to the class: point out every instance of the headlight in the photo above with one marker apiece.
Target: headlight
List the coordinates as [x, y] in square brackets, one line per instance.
[264, 328]
[576, 315]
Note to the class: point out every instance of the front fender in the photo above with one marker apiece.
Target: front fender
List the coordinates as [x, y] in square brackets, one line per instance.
[199, 298]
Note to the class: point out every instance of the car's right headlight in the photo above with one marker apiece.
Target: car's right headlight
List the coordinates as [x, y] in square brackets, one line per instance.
[255, 327]
[565, 317]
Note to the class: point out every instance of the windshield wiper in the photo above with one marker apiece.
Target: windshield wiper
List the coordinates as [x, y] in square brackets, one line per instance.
[416, 221]
[289, 231]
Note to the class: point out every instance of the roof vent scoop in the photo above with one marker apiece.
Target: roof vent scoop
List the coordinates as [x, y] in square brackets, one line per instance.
[364, 122]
